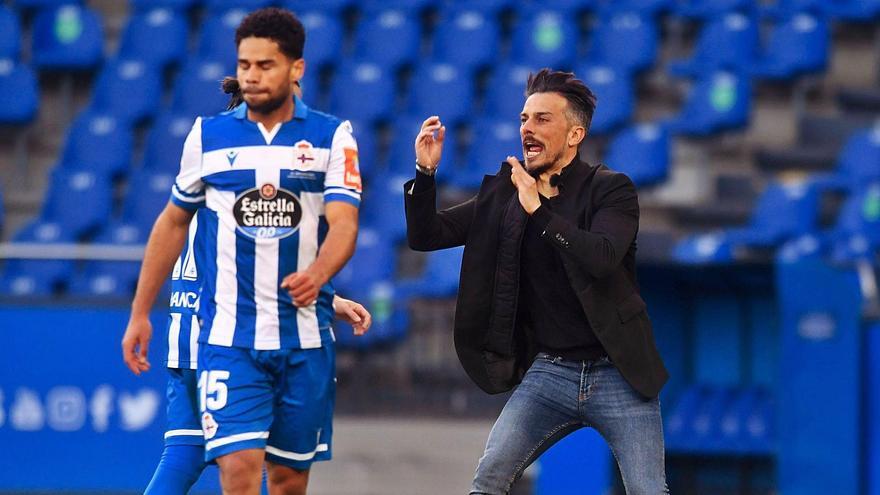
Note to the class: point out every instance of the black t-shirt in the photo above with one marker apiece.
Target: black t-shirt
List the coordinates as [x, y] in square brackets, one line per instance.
[553, 314]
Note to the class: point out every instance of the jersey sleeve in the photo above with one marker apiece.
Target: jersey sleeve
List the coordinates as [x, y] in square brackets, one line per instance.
[188, 191]
[343, 180]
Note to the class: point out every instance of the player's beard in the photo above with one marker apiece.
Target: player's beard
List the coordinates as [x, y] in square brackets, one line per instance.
[268, 106]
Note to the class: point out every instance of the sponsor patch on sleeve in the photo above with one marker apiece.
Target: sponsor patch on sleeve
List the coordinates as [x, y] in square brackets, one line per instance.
[352, 177]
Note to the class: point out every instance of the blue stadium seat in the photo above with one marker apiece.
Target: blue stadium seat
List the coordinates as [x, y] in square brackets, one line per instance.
[784, 9]
[713, 9]
[390, 318]
[388, 37]
[100, 143]
[69, 37]
[368, 147]
[646, 7]
[492, 7]
[110, 278]
[401, 152]
[615, 96]
[128, 89]
[797, 46]
[729, 42]
[217, 37]
[469, 38]
[859, 160]
[31, 277]
[413, 7]
[324, 35]
[545, 38]
[493, 140]
[364, 91]
[783, 212]
[43, 4]
[197, 89]
[10, 34]
[857, 231]
[20, 97]
[439, 278]
[507, 95]
[374, 260]
[856, 10]
[331, 7]
[224, 5]
[165, 142]
[628, 40]
[718, 102]
[78, 200]
[642, 152]
[157, 36]
[383, 205]
[179, 5]
[146, 196]
[570, 8]
[442, 89]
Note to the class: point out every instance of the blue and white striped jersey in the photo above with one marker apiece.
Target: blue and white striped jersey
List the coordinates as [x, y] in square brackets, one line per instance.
[183, 322]
[263, 194]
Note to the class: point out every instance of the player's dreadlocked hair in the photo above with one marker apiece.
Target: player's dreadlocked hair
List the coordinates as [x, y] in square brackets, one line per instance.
[581, 101]
[278, 25]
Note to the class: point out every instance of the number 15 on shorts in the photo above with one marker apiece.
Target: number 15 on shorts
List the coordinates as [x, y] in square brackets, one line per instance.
[213, 392]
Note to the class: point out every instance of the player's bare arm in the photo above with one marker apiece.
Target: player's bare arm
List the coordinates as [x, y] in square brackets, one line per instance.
[166, 241]
[337, 248]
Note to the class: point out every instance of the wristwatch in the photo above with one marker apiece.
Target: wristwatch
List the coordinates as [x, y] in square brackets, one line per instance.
[425, 170]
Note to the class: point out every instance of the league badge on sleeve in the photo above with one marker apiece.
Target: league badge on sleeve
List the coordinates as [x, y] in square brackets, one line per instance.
[352, 177]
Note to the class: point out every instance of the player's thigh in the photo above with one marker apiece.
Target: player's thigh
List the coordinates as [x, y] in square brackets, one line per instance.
[305, 398]
[182, 414]
[235, 397]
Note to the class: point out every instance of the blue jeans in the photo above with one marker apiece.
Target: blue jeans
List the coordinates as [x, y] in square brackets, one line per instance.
[557, 397]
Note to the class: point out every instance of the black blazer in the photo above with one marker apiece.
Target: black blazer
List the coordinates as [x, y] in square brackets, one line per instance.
[594, 229]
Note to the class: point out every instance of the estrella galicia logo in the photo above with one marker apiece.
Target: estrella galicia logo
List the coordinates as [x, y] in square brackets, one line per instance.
[267, 212]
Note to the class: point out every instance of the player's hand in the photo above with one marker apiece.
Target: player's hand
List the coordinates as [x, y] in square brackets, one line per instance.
[526, 186]
[353, 313]
[429, 147]
[303, 287]
[136, 343]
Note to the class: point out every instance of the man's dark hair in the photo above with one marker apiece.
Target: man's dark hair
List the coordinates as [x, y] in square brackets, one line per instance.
[581, 101]
[278, 25]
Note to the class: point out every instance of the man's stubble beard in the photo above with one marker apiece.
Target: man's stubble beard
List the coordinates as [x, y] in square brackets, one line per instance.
[270, 105]
[549, 164]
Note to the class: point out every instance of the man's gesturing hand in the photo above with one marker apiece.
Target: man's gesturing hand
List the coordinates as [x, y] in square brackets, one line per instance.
[136, 343]
[526, 186]
[428, 146]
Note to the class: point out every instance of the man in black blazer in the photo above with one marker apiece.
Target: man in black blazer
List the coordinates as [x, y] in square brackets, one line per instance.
[548, 298]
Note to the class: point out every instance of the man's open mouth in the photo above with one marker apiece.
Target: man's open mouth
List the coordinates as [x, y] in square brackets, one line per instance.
[532, 148]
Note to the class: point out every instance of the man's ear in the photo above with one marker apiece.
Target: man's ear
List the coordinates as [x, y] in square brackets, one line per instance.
[576, 135]
[297, 69]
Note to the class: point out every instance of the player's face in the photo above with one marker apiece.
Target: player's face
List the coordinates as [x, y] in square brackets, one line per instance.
[265, 74]
[545, 131]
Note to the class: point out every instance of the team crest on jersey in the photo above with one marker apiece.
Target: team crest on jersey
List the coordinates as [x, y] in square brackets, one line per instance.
[209, 426]
[267, 212]
[303, 154]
